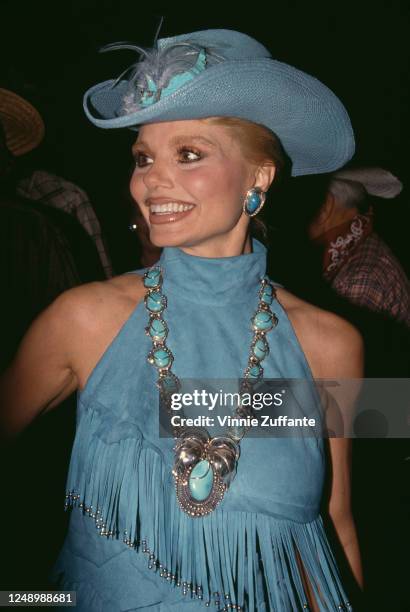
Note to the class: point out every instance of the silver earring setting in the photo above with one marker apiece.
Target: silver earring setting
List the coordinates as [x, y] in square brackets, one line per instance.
[254, 201]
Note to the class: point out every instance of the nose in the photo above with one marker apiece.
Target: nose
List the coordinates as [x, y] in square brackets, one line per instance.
[158, 174]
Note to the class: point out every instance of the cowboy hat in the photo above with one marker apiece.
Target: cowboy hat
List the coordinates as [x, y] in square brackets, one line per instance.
[227, 73]
[376, 181]
[22, 124]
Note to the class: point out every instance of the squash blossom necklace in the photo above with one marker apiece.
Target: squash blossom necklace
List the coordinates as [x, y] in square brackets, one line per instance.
[204, 466]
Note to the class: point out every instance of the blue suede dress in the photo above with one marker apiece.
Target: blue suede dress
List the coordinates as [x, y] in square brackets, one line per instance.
[129, 546]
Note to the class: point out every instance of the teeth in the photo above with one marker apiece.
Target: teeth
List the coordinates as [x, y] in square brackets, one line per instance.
[170, 207]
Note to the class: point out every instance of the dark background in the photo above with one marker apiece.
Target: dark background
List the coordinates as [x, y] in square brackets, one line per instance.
[48, 54]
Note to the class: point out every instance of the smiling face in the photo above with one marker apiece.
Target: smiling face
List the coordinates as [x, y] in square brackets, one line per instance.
[190, 181]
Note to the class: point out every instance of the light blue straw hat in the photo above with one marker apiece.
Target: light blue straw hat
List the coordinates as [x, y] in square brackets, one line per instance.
[226, 73]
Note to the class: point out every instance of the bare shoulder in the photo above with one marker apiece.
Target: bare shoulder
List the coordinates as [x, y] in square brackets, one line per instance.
[332, 345]
[62, 347]
[92, 316]
[93, 303]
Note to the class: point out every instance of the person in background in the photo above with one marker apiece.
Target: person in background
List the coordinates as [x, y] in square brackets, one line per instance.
[44, 251]
[22, 130]
[380, 465]
[359, 266]
[356, 261]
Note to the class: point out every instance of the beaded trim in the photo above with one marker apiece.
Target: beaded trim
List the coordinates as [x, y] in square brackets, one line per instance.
[72, 499]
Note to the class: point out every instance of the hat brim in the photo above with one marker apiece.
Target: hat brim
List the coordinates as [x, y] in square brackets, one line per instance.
[22, 124]
[377, 181]
[308, 118]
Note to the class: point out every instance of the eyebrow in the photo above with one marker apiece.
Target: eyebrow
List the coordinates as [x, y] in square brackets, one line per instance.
[192, 138]
[178, 140]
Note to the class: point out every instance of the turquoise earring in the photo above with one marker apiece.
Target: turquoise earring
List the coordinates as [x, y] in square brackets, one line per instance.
[254, 201]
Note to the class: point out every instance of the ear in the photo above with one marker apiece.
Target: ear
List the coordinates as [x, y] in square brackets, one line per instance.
[323, 220]
[264, 176]
[326, 210]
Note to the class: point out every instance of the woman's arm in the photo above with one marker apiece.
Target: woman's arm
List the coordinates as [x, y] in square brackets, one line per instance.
[62, 347]
[344, 362]
[336, 353]
[340, 505]
[334, 350]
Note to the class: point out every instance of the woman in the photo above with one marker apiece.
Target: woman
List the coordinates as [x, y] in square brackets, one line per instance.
[232, 522]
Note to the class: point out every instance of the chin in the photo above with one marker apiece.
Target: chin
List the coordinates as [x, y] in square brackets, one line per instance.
[168, 238]
[167, 241]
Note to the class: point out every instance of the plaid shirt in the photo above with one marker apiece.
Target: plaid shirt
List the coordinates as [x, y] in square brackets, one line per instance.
[59, 193]
[371, 276]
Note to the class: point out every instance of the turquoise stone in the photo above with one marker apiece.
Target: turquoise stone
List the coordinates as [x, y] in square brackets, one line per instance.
[255, 371]
[201, 480]
[157, 329]
[155, 301]
[162, 358]
[260, 349]
[263, 320]
[169, 384]
[253, 202]
[152, 278]
[267, 294]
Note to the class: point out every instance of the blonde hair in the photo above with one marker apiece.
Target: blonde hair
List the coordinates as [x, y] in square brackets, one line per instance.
[259, 144]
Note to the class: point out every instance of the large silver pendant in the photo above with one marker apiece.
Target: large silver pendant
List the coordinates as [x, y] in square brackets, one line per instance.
[203, 470]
